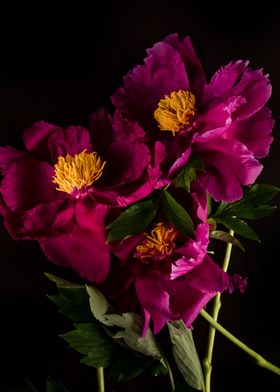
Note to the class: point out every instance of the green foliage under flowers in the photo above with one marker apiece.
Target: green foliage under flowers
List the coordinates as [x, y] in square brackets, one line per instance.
[114, 341]
[188, 173]
[252, 206]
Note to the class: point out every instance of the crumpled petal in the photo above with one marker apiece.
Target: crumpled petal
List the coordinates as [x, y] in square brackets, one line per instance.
[192, 253]
[84, 248]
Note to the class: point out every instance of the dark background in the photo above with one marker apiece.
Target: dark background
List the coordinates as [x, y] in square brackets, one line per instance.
[59, 64]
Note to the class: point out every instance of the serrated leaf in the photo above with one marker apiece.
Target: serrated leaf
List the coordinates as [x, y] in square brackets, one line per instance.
[62, 282]
[73, 303]
[239, 226]
[55, 386]
[177, 215]
[134, 219]
[92, 341]
[129, 325]
[226, 237]
[185, 354]
[188, 173]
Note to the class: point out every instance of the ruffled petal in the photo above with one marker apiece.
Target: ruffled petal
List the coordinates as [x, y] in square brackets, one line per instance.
[254, 132]
[28, 183]
[100, 128]
[84, 249]
[239, 167]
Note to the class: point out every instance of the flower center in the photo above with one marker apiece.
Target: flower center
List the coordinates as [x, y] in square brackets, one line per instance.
[175, 111]
[77, 172]
[159, 243]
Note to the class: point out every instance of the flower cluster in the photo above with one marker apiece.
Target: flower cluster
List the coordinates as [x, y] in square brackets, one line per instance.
[125, 201]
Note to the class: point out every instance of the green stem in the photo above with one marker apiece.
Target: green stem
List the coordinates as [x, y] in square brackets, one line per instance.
[257, 357]
[100, 379]
[170, 375]
[207, 362]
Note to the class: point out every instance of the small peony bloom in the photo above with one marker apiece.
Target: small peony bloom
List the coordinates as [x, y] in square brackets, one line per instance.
[60, 190]
[170, 275]
[224, 121]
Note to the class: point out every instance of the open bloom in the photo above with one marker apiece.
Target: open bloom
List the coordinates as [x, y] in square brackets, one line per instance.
[169, 275]
[225, 122]
[59, 191]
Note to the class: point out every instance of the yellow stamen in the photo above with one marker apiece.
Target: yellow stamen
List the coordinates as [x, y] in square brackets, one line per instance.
[77, 172]
[175, 111]
[159, 242]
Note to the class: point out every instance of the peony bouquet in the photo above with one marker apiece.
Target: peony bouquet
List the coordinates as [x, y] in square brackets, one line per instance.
[138, 204]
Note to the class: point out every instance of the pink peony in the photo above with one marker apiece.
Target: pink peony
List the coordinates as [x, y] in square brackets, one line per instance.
[225, 122]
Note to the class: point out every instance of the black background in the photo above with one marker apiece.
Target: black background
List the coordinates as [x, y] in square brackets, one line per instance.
[59, 64]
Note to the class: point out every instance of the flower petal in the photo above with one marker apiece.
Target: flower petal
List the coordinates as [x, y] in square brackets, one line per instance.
[192, 64]
[7, 156]
[36, 138]
[189, 294]
[28, 183]
[84, 248]
[239, 167]
[145, 85]
[254, 132]
[72, 140]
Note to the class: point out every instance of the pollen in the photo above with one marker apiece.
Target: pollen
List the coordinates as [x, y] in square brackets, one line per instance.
[77, 172]
[160, 242]
[175, 111]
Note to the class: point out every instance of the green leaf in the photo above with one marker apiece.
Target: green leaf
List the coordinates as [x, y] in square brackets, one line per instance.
[239, 226]
[251, 206]
[62, 282]
[188, 173]
[177, 215]
[226, 237]
[92, 341]
[73, 303]
[129, 326]
[183, 388]
[55, 386]
[157, 369]
[185, 354]
[127, 365]
[134, 219]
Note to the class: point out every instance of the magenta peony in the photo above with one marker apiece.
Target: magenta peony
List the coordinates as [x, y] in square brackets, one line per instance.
[61, 189]
[225, 122]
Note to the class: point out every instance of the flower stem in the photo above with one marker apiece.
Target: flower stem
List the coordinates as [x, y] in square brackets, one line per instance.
[100, 379]
[207, 362]
[257, 357]
[170, 375]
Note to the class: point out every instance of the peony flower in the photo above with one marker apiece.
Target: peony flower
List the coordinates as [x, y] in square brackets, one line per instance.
[168, 274]
[59, 191]
[225, 122]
